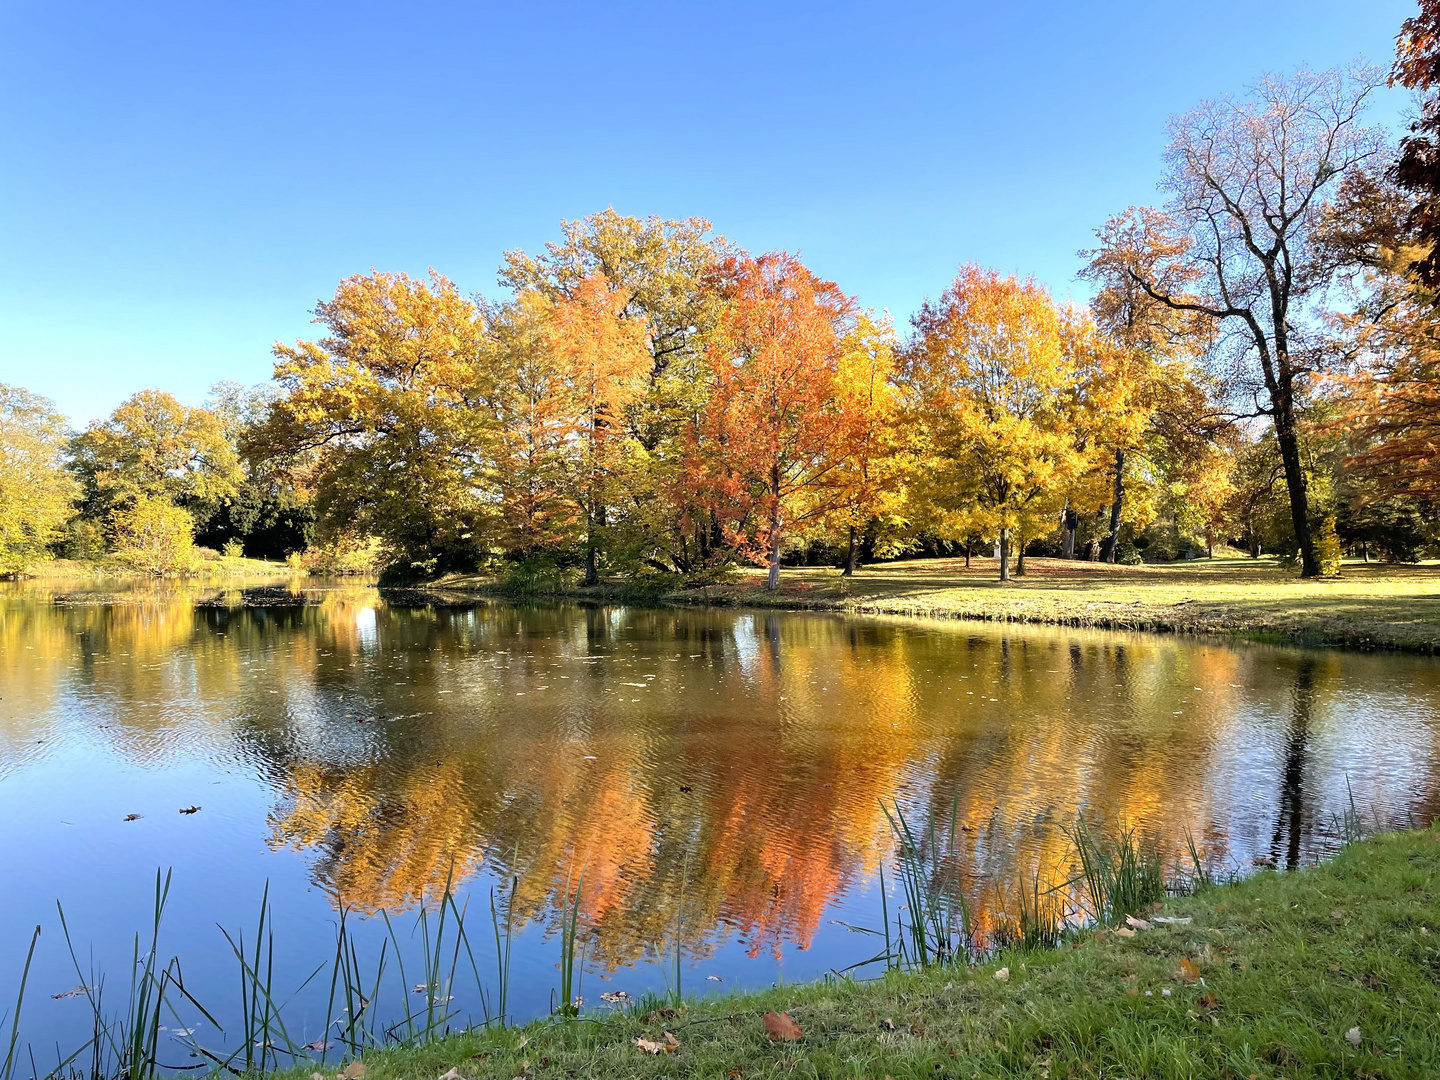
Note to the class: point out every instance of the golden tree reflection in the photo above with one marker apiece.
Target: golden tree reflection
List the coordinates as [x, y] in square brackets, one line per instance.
[730, 764]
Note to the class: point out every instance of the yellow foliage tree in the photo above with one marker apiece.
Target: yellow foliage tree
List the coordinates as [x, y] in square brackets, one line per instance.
[994, 395]
[154, 536]
[36, 493]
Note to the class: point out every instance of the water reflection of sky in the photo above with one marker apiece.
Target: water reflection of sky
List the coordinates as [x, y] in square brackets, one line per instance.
[733, 761]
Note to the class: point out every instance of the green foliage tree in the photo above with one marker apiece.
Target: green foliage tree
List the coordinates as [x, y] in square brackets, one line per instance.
[36, 491]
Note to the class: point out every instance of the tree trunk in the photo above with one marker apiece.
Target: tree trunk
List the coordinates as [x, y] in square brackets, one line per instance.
[1295, 480]
[1109, 550]
[1071, 523]
[850, 556]
[1364, 551]
[967, 553]
[772, 582]
[1020, 560]
[592, 555]
[1004, 554]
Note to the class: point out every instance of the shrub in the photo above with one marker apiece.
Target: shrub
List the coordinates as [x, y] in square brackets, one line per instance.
[154, 536]
[1327, 547]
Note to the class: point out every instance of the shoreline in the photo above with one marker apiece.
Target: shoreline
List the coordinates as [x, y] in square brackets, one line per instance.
[1325, 971]
[1145, 601]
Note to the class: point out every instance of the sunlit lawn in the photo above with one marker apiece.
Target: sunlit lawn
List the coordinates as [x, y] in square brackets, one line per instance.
[1386, 605]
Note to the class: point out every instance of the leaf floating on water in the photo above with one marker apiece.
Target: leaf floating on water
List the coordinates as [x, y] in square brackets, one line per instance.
[132, 817]
[74, 991]
[319, 1045]
[713, 978]
[616, 997]
[1003, 974]
[1189, 972]
[190, 809]
[1353, 1037]
[183, 1033]
[781, 1028]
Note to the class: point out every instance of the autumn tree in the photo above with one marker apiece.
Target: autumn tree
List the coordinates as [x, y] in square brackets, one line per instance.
[1237, 243]
[765, 443]
[664, 270]
[1417, 168]
[378, 419]
[153, 447]
[866, 482]
[558, 376]
[603, 360]
[153, 535]
[994, 395]
[36, 491]
[1150, 398]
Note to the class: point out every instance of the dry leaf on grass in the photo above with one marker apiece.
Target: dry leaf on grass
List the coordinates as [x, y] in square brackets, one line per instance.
[1353, 1037]
[453, 1074]
[781, 1028]
[1125, 931]
[1003, 974]
[1136, 924]
[669, 1046]
[354, 1071]
[1189, 971]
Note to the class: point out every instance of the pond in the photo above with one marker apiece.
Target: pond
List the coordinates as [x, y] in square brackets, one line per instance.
[707, 778]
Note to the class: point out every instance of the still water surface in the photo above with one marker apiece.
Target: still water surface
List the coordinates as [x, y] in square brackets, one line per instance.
[719, 770]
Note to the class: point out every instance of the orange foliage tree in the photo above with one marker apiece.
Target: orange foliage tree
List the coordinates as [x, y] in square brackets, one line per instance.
[765, 443]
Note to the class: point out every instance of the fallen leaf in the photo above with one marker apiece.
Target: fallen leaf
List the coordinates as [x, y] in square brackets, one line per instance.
[190, 809]
[651, 1047]
[183, 1033]
[1137, 924]
[316, 1076]
[1173, 920]
[319, 1046]
[74, 991]
[888, 1024]
[733, 1074]
[1003, 974]
[453, 1074]
[1337, 914]
[617, 997]
[132, 817]
[1189, 972]
[671, 1042]
[354, 1071]
[713, 978]
[1353, 1037]
[781, 1028]
[1125, 931]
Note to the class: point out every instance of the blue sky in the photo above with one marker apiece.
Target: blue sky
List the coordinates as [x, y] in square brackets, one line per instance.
[180, 182]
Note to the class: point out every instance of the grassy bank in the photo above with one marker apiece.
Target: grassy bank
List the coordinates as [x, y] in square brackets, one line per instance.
[1330, 972]
[207, 566]
[1368, 606]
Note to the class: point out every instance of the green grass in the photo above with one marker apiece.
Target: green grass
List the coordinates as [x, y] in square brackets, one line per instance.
[1368, 606]
[1276, 971]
